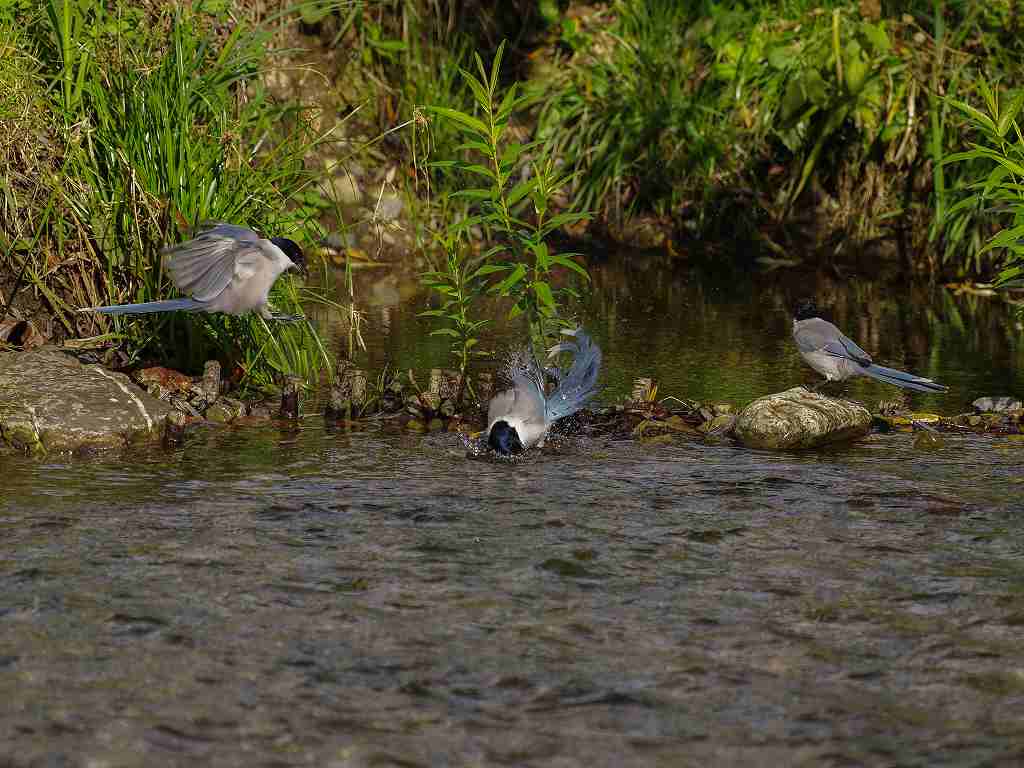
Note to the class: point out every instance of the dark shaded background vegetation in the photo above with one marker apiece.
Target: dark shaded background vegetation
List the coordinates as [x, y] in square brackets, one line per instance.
[884, 132]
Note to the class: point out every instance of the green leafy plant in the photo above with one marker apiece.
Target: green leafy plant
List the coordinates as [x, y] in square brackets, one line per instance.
[625, 111]
[521, 265]
[1001, 149]
[461, 284]
[834, 74]
[149, 153]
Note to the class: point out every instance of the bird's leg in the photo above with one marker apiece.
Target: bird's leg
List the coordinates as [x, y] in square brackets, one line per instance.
[823, 387]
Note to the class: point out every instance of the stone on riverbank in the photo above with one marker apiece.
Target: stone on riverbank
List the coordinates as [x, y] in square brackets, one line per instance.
[996, 404]
[799, 418]
[50, 402]
[225, 410]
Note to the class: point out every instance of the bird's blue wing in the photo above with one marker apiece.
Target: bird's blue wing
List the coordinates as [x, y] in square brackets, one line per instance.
[846, 347]
[204, 266]
[817, 335]
[223, 229]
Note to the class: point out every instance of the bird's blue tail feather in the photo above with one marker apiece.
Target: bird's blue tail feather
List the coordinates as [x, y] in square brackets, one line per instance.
[902, 379]
[170, 305]
[579, 384]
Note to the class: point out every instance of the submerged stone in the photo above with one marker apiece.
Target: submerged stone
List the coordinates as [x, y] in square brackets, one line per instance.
[49, 401]
[719, 426]
[906, 422]
[799, 418]
[927, 440]
[225, 410]
[648, 429]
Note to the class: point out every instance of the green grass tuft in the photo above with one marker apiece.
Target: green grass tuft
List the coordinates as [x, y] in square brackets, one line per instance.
[157, 133]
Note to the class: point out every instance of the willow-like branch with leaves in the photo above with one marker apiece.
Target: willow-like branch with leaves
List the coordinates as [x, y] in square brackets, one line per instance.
[520, 265]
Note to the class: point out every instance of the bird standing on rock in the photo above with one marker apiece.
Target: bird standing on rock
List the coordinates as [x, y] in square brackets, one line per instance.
[520, 417]
[828, 351]
[226, 268]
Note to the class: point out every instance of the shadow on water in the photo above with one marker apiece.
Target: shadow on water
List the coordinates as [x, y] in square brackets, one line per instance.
[372, 598]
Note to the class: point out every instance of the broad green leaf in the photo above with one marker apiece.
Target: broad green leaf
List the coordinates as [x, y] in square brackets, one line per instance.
[504, 286]
[989, 96]
[490, 269]
[793, 100]
[877, 36]
[975, 114]
[780, 56]
[540, 252]
[493, 251]
[521, 190]
[543, 291]
[562, 219]
[566, 261]
[483, 170]
[467, 223]
[445, 332]
[477, 146]
[1008, 164]
[994, 179]
[496, 66]
[1005, 239]
[968, 202]
[511, 154]
[467, 121]
[508, 100]
[1010, 112]
[957, 157]
[856, 71]
[483, 98]
[510, 107]
[476, 193]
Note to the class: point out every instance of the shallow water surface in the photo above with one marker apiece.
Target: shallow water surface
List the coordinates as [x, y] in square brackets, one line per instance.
[263, 596]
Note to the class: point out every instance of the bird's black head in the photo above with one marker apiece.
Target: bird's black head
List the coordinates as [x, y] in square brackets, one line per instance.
[805, 309]
[504, 439]
[292, 251]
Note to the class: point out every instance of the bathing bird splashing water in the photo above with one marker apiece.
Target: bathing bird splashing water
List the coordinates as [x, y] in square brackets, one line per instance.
[519, 418]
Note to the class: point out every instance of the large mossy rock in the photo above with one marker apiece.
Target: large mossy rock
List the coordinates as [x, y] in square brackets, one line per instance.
[799, 418]
[50, 402]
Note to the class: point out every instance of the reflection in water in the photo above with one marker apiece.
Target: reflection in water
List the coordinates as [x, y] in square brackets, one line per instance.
[728, 337]
[370, 598]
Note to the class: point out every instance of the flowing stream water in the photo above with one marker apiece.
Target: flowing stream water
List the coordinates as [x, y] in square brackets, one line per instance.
[265, 596]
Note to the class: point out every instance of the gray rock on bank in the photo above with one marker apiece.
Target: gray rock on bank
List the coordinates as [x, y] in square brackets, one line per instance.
[50, 402]
[996, 404]
[800, 418]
